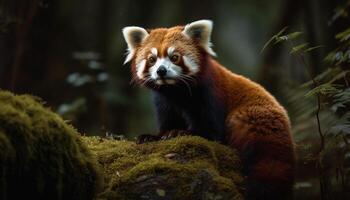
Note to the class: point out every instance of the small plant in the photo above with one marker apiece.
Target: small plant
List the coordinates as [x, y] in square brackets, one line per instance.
[332, 93]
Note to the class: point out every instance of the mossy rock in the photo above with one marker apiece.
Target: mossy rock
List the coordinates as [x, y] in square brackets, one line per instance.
[41, 157]
[186, 167]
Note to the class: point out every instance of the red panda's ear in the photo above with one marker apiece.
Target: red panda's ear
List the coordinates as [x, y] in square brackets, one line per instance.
[133, 36]
[201, 31]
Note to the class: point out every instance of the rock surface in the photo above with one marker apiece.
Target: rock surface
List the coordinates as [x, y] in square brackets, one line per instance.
[186, 167]
[42, 157]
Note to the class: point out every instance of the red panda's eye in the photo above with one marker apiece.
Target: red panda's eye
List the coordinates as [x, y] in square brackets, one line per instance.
[151, 60]
[174, 58]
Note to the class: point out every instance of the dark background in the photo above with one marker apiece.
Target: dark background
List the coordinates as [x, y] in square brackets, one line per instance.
[70, 54]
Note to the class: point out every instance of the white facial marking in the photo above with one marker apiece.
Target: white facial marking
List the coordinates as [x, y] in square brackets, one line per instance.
[130, 55]
[173, 71]
[171, 50]
[191, 64]
[201, 30]
[170, 81]
[159, 82]
[154, 51]
[140, 68]
[133, 36]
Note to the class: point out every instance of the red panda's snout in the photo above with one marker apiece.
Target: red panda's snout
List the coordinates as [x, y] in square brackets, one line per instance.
[168, 56]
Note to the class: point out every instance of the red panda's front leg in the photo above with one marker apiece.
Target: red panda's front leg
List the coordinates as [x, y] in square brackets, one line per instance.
[170, 122]
[262, 137]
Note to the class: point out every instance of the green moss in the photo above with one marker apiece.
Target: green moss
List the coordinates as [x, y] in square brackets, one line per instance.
[182, 168]
[41, 156]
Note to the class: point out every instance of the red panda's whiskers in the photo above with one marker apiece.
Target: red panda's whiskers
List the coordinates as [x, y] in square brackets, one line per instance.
[188, 78]
[133, 80]
[141, 82]
[145, 81]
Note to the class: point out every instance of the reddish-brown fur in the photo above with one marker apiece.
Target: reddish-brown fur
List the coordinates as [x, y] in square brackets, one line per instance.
[257, 121]
[162, 38]
[256, 124]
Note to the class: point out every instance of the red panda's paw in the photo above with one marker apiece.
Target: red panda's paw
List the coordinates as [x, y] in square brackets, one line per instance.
[173, 133]
[146, 138]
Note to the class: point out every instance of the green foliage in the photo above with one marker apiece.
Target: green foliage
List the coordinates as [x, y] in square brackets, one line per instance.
[330, 75]
[332, 109]
[299, 48]
[341, 55]
[341, 12]
[343, 36]
[276, 39]
[341, 99]
[324, 89]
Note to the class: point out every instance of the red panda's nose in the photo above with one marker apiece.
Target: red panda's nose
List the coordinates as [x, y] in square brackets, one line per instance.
[161, 71]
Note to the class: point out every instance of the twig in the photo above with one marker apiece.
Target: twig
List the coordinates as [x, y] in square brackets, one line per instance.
[323, 178]
[316, 84]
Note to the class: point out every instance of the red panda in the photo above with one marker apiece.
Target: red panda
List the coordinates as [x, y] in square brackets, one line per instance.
[194, 94]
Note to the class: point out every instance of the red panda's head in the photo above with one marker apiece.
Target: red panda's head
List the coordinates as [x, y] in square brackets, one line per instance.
[168, 56]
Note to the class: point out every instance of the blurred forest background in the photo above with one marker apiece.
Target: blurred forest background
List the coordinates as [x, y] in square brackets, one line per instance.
[70, 54]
